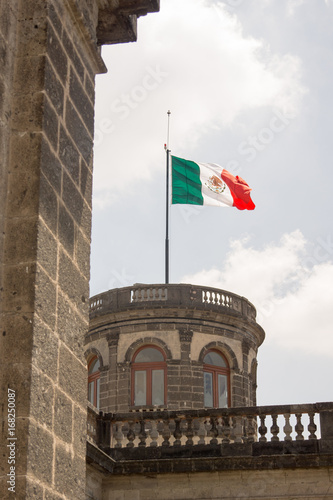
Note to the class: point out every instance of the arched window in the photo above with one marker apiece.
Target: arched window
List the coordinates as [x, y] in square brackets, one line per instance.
[216, 380]
[93, 381]
[149, 377]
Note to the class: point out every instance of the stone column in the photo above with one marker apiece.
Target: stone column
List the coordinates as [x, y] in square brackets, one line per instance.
[109, 403]
[185, 393]
[46, 242]
[246, 375]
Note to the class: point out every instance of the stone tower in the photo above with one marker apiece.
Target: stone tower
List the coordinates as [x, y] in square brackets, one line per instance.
[49, 55]
[173, 347]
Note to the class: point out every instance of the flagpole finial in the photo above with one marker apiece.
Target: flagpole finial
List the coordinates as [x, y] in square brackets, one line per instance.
[168, 132]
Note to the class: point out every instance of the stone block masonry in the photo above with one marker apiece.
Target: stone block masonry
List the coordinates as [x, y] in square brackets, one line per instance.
[48, 111]
[49, 55]
[253, 485]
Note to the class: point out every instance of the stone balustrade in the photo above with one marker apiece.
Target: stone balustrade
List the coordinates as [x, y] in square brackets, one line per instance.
[247, 438]
[212, 427]
[180, 295]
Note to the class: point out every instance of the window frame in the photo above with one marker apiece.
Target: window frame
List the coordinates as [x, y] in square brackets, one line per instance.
[216, 371]
[148, 367]
[94, 378]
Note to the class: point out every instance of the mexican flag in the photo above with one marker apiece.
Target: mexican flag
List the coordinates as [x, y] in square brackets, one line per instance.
[208, 184]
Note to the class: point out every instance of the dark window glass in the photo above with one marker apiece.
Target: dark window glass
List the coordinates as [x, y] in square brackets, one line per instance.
[214, 358]
[148, 355]
[149, 377]
[216, 380]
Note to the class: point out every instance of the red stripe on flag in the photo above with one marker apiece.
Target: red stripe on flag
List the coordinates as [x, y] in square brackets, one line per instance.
[240, 191]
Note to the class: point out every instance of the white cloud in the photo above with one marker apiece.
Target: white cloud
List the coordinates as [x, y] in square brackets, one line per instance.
[191, 58]
[292, 6]
[289, 284]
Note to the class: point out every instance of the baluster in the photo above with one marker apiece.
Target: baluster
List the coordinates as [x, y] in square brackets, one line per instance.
[238, 431]
[153, 434]
[166, 433]
[287, 428]
[213, 431]
[163, 293]
[142, 434]
[275, 429]
[312, 426]
[208, 427]
[299, 428]
[205, 297]
[262, 429]
[225, 430]
[211, 297]
[189, 432]
[251, 430]
[219, 425]
[178, 433]
[118, 435]
[130, 435]
[232, 429]
[202, 431]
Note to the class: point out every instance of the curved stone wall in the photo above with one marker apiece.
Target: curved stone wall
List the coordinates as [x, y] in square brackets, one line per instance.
[185, 321]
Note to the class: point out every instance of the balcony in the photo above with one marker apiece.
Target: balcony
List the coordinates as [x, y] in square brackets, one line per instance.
[271, 437]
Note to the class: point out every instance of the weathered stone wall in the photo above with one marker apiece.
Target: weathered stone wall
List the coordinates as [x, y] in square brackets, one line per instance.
[48, 105]
[94, 488]
[309, 484]
[8, 22]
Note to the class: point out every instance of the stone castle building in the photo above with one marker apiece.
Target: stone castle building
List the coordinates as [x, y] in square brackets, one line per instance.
[172, 369]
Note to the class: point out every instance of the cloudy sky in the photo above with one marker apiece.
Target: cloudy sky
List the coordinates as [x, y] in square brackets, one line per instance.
[249, 85]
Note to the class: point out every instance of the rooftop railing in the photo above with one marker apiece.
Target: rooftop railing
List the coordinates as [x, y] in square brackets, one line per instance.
[180, 295]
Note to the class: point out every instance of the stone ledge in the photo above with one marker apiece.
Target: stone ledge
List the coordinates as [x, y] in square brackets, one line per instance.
[204, 459]
[86, 34]
[119, 24]
[98, 459]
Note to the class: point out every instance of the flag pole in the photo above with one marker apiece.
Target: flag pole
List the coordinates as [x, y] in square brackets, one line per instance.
[167, 150]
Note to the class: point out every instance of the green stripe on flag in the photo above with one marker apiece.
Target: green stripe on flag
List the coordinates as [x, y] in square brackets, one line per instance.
[186, 183]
